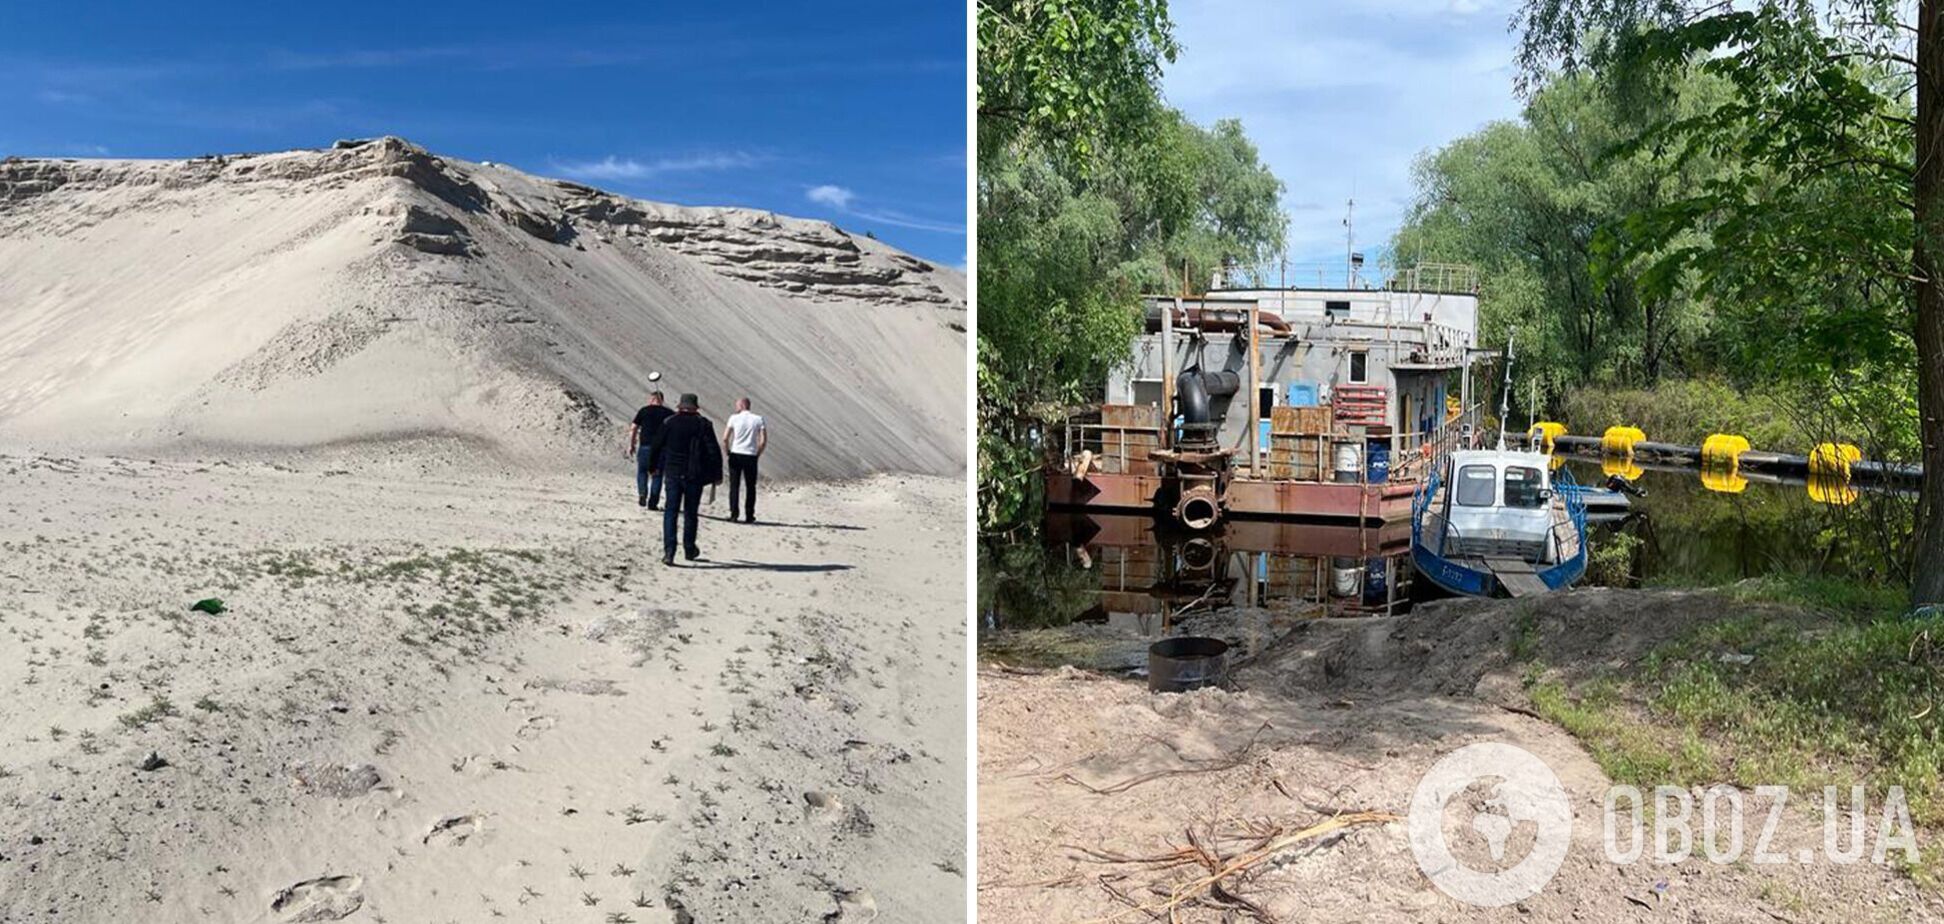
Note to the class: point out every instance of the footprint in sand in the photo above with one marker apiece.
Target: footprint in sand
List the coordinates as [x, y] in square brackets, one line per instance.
[536, 726]
[820, 806]
[327, 899]
[451, 832]
[338, 781]
[853, 907]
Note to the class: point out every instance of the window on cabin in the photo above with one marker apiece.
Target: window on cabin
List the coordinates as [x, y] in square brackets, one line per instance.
[1336, 309]
[1524, 487]
[1359, 368]
[1477, 484]
[1265, 401]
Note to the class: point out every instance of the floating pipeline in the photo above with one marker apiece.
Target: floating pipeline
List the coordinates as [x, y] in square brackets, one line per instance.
[1828, 461]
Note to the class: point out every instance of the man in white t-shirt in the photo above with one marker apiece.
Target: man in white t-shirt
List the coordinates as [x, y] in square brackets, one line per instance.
[743, 440]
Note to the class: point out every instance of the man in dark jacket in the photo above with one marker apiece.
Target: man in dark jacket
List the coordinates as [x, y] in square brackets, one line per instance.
[687, 455]
[641, 435]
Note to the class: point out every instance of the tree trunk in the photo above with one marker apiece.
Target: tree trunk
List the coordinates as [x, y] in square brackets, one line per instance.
[1927, 584]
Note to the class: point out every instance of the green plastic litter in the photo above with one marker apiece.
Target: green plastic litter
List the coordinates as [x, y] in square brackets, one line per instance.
[212, 606]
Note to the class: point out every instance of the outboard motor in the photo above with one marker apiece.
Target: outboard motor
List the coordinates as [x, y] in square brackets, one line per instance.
[1624, 485]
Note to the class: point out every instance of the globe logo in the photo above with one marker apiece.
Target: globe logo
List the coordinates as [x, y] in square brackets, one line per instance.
[1514, 799]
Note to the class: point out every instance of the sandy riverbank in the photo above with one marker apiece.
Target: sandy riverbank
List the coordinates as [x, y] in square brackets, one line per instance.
[444, 695]
[1094, 794]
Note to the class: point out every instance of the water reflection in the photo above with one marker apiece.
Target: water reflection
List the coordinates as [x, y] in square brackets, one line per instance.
[1141, 578]
[1093, 590]
[1711, 526]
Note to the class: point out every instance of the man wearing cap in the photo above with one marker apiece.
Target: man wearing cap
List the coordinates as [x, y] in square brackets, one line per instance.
[687, 457]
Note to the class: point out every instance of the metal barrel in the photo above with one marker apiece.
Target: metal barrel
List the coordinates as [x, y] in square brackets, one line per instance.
[1188, 662]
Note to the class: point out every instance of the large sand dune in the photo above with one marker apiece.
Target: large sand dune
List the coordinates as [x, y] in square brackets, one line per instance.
[375, 292]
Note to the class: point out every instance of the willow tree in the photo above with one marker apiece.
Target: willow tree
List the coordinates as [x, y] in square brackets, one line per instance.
[1831, 232]
[1525, 201]
[1090, 188]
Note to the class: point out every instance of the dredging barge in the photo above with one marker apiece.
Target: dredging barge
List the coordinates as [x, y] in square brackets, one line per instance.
[1326, 403]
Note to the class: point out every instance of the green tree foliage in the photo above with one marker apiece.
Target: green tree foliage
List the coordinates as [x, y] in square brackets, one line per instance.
[1079, 72]
[1091, 190]
[1825, 237]
[1526, 202]
[1723, 191]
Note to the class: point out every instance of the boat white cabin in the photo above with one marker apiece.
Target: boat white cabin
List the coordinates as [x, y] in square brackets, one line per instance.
[1491, 522]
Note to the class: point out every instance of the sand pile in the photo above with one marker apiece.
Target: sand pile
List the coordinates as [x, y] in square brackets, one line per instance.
[375, 292]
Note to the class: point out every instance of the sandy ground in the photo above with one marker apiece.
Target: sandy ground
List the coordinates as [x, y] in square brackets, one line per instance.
[447, 694]
[1345, 715]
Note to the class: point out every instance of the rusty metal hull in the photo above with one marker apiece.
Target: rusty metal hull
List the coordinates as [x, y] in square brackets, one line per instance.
[1381, 503]
[1100, 491]
[1365, 503]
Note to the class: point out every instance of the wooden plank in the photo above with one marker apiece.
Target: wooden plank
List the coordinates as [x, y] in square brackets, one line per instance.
[1255, 398]
[1517, 576]
[1304, 421]
[1127, 415]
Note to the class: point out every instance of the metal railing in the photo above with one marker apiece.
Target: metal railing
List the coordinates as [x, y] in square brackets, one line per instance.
[1565, 486]
[1411, 455]
[1448, 278]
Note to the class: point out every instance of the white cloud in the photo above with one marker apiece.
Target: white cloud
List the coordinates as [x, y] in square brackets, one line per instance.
[1341, 97]
[842, 200]
[837, 197]
[615, 168]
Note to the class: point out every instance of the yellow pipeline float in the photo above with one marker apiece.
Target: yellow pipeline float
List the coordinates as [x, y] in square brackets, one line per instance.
[1617, 452]
[1829, 473]
[1619, 441]
[1721, 463]
[1723, 449]
[1833, 459]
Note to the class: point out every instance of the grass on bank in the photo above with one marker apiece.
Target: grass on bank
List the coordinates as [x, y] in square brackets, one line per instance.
[1847, 694]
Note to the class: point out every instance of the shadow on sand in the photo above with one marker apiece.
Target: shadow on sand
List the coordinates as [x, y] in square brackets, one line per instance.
[744, 564]
[782, 525]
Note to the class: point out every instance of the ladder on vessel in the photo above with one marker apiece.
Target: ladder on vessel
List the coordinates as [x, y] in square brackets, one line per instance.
[1359, 404]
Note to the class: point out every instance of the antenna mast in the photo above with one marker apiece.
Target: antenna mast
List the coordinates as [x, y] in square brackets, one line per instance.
[1350, 243]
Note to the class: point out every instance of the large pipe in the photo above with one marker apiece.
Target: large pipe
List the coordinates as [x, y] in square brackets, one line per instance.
[1191, 398]
[1221, 383]
[1198, 507]
[1209, 319]
[1195, 391]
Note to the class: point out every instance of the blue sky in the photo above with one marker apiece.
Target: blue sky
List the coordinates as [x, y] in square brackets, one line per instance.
[1340, 97]
[853, 113]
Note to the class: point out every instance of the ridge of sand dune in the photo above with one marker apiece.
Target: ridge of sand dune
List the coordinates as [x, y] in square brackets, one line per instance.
[375, 291]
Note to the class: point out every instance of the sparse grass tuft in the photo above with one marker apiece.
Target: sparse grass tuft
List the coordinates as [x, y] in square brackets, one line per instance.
[158, 709]
[1852, 692]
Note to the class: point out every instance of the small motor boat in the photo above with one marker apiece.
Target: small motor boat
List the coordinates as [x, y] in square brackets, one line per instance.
[1499, 522]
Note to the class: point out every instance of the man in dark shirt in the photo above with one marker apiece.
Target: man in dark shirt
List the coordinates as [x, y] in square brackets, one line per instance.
[641, 435]
[686, 454]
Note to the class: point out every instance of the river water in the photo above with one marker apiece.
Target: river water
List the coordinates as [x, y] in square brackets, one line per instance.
[1128, 578]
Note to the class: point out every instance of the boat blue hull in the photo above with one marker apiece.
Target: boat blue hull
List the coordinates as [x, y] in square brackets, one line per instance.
[1472, 582]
